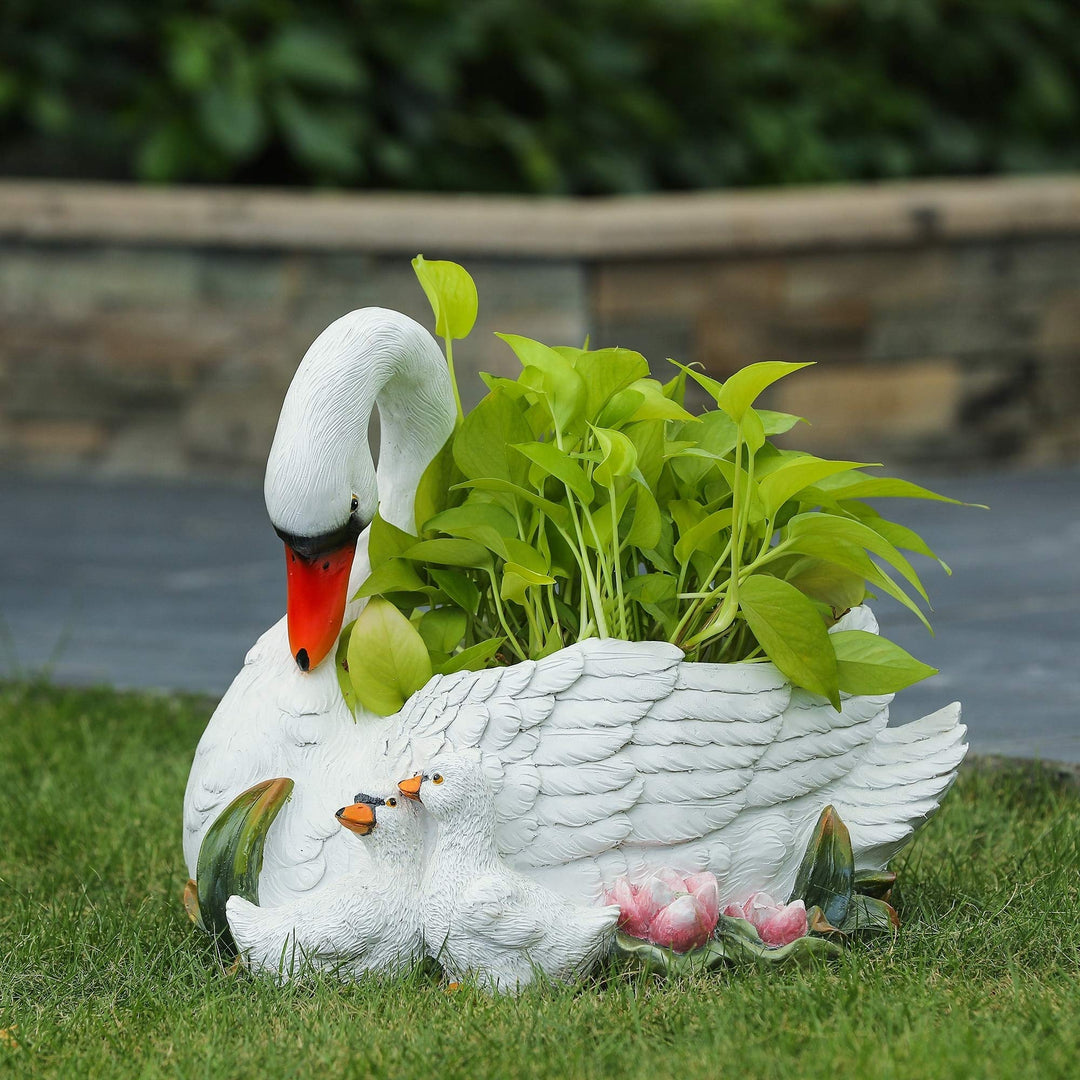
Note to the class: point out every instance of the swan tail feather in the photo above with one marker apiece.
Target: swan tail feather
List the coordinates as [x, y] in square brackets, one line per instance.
[899, 783]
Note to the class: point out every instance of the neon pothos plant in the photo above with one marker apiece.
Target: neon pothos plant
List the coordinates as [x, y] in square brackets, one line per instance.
[583, 500]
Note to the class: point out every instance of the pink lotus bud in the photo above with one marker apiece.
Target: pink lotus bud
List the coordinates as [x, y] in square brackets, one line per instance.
[785, 925]
[658, 891]
[706, 890]
[681, 925]
[734, 911]
[637, 909]
[675, 881]
[759, 907]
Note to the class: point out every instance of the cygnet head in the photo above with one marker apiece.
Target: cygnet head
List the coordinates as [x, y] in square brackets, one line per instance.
[450, 784]
[392, 819]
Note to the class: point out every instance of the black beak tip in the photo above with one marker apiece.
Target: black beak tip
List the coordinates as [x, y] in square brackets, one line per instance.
[339, 812]
[302, 661]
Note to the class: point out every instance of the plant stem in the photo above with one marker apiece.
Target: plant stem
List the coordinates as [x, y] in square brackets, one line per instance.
[453, 378]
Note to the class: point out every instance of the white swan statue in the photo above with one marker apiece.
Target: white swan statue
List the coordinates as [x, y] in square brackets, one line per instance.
[606, 758]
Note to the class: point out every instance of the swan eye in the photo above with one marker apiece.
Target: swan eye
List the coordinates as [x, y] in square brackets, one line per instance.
[391, 802]
[354, 505]
[437, 778]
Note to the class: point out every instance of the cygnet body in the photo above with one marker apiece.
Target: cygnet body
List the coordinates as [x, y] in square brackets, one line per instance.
[368, 921]
[481, 918]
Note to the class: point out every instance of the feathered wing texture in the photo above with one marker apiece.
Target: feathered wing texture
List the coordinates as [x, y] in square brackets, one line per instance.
[607, 758]
[614, 757]
[504, 928]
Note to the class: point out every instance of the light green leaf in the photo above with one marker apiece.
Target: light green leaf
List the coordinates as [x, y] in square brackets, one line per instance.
[831, 527]
[898, 535]
[458, 587]
[606, 372]
[517, 551]
[557, 513]
[433, 491]
[790, 476]
[450, 552]
[696, 537]
[855, 558]
[473, 658]
[472, 514]
[388, 660]
[393, 575]
[443, 628]
[645, 529]
[790, 630]
[869, 664]
[620, 455]
[827, 583]
[620, 408]
[341, 666]
[451, 292]
[558, 464]
[648, 439]
[752, 430]
[557, 380]
[657, 405]
[777, 423]
[858, 486]
[483, 443]
[740, 390]
[386, 541]
[530, 576]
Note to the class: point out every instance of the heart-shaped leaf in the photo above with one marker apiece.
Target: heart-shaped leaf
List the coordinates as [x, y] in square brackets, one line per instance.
[869, 664]
[388, 660]
[790, 630]
[451, 292]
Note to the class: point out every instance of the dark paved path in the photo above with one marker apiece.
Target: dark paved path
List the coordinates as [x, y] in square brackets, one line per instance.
[145, 584]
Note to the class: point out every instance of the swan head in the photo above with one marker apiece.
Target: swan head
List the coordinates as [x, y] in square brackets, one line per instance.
[452, 783]
[321, 486]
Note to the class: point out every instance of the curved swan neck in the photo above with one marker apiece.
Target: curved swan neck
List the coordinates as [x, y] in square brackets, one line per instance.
[320, 456]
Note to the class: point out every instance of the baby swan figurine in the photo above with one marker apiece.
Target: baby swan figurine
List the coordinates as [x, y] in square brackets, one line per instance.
[482, 918]
[366, 921]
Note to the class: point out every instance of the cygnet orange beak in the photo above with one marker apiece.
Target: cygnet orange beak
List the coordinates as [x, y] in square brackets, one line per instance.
[358, 818]
[411, 788]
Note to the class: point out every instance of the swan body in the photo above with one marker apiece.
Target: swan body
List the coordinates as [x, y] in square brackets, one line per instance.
[481, 918]
[607, 758]
[361, 922]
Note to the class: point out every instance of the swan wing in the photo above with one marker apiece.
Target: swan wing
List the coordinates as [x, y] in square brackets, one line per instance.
[613, 757]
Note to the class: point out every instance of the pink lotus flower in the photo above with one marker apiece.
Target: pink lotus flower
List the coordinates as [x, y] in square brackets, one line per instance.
[777, 924]
[673, 910]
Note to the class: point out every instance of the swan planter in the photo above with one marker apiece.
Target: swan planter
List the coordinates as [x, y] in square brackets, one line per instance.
[574, 672]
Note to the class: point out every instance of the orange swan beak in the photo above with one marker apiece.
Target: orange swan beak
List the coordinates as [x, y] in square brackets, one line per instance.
[318, 588]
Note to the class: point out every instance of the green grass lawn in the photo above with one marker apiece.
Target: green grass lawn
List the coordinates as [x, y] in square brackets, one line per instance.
[102, 975]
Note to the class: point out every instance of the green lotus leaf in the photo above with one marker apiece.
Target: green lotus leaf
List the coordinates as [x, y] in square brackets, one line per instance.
[826, 875]
[231, 854]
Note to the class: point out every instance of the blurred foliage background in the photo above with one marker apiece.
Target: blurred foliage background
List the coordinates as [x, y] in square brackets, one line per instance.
[557, 96]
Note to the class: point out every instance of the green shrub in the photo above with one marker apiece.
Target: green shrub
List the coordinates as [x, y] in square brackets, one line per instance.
[571, 96]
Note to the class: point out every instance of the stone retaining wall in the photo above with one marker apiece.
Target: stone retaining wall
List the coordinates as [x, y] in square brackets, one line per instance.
[154, 331]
